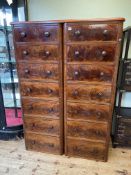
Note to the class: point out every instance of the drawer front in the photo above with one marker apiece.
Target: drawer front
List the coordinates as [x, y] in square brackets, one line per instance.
[91, 32]
[42, 143]
[97, 93]
[86, 149]
[95, 52]
[37, 53]
[79, 111]
[38, 71]
[90, 73]
[36, 33]
[88, 130]
[40, 90]
[42, 108]
[42, 125]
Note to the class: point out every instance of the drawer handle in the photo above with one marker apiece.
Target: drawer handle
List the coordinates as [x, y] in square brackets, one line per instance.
[47, 53]
[98, 114]
[76, 73]
[30, 107]
[77, 32]
[104, 53]
[51, 145]
[75, 92]
[51, 127]
[33, 142]
[100, 94]
[76, 149]
[77, 53]
[27, 71]
[48, 72]
[33, 125]
[25, 52]
[46, 34]
[50, 91]
[105, 32]
[23, 34]
[50, 110]
[102, 73]
[28, 90]
[75, 111]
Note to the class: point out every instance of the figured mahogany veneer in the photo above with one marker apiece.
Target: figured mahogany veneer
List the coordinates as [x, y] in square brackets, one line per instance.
[33, 53]
[68, 71]
[39, 62]
[40, 90]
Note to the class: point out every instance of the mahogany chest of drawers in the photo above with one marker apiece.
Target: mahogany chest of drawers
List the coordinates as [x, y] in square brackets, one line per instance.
[67, 71]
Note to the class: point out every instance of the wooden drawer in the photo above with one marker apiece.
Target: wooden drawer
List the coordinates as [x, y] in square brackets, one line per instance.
[42, 143]
[40, 90]
[87, 130]
[98, 94]
[30, 71]
[86, 149]
[41, 108]
[90, 73]
[37, 53]
[91, 32]
[37, 33]
[79, 111]
[91, 53]
[42, 125]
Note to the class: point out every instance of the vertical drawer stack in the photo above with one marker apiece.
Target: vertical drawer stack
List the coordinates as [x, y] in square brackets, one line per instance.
[91, 63]
[39, 64]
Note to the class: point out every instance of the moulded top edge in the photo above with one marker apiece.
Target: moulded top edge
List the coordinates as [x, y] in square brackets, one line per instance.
[71, 20]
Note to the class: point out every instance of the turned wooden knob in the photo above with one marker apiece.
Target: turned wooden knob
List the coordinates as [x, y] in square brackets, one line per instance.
[76, 73]
[48, 72]
[28, 90]
[47, 53]
[100, 94]
[25, 52]
[77, 32]
[27, 71]
[46, 34]
[104, 53]
[23, 34]
[75, 92]
[50, 91]
[77, 53]
[105, 32]
[98, 114]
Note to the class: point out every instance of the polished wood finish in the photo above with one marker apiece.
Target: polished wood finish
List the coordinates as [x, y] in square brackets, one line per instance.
[42, 143]
[33, 53]
[86, 149]
[97, 93]
[38, 52]
[40, 90]
[91, 56]
[83, 53]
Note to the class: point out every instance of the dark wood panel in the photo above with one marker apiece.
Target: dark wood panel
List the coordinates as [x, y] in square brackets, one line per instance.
[36, 33]
[91, 32]
[40, 90]
[42, 125]
[42, 143]
[88, 130]
[93, 112]
[104, 53]
[98, 93]
[30, 71]
[40, 107]
[86, 149]
[37, 53]
[90, 73]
